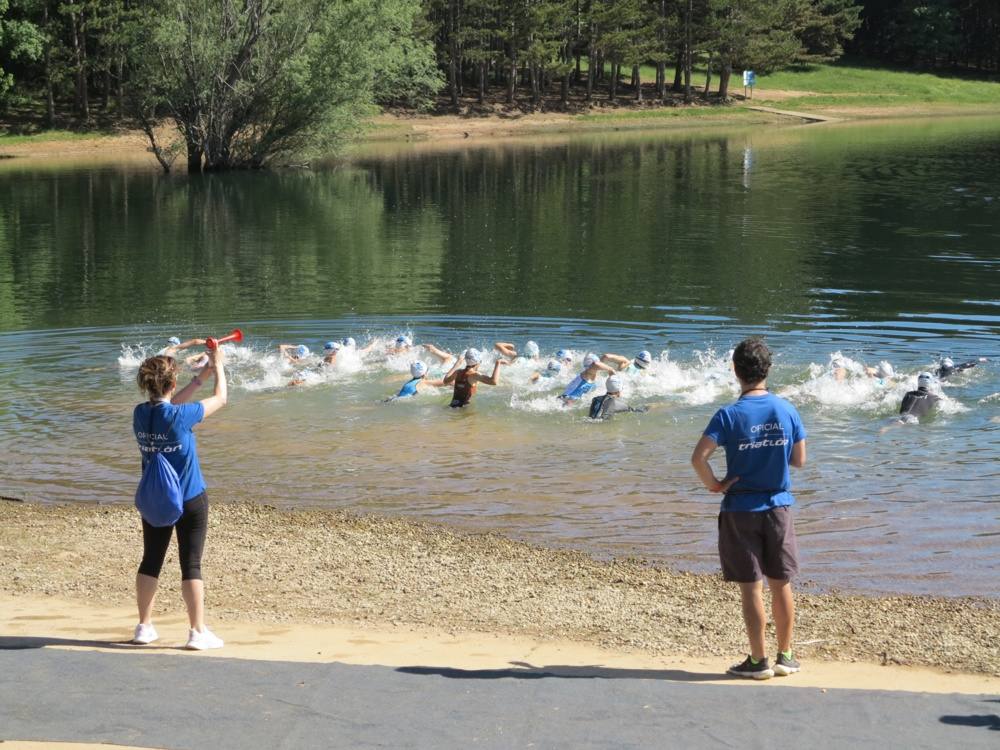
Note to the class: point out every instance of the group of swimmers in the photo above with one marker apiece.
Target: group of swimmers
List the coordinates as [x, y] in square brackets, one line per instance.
[462, 372]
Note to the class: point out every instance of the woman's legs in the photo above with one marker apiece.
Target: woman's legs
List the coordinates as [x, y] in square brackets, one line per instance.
[155, 541]
[191, 531]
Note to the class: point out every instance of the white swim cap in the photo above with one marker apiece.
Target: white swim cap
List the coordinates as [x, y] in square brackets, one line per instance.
[642, 359]
[590, 359]
[923, 380]
[531, 349]
[473, 357]
[404, 341]
[613, 384]
[947, 362]
[302, 350]
[554, 366]
[418, 369]
[173, 341]
[332, 346]
[349, 342]
[838, 363]
[563, 356]
[884, 370]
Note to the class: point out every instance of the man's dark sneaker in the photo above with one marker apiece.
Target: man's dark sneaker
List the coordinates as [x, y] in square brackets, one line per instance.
[748, 669]
[785, 665]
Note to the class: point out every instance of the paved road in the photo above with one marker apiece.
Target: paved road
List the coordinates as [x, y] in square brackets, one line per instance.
[184, 702]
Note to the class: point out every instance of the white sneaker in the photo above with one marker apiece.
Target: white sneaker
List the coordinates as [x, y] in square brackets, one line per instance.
[145, 634]
[206, 639]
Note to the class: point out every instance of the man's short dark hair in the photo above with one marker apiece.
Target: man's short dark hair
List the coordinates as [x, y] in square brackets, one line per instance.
[752, 360]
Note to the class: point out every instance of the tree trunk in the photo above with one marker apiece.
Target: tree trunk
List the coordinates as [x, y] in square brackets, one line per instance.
[50, 101]
[679, 71]
[613, 85]
[637, 82]
[482, 82]
[452, 55]
[512, 80]
[80, 60]
[533, 76]
[708, 75]
[590, 72]
[194, 156]
[578, 73]
[724, 73]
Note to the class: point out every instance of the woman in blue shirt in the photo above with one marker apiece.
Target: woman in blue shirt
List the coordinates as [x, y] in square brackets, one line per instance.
[164, 424]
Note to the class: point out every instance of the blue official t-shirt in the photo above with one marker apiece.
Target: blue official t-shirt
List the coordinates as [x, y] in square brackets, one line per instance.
[758, 433]
[165, 427]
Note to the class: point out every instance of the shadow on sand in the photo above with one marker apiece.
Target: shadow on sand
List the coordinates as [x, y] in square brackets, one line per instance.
[523, 671]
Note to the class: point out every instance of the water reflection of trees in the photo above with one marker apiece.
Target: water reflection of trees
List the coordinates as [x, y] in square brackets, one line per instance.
[93, 247]
[605, 229]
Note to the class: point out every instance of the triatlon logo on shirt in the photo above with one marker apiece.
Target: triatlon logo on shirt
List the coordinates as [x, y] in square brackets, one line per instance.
[767, 435]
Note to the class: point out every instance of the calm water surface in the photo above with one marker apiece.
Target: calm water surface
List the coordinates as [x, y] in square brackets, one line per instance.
[877, 242]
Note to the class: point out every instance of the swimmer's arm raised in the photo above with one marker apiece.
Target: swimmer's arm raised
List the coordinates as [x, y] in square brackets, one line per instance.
[441, 354]
[449, 378]
[620, 362]
[493, 379]
[699, 460]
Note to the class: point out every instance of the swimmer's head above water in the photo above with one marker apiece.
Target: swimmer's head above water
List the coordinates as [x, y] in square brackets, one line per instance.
[174, 341]
[643, 359]
[884, 370]
[349, 342]
[531, 350]
[332, 346]
[590, 360]
[418, 369]
[403, 342]
[473, 357]
[301, 351]
[564, 356]
[613, 385]
[947, 363]
[553, 367]
[924, 380]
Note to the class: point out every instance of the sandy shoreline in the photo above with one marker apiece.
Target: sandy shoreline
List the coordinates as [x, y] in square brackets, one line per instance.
[304, 568]
[456, 130]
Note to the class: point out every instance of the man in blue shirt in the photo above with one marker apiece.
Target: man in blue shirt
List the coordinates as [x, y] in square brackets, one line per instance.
[762, 436]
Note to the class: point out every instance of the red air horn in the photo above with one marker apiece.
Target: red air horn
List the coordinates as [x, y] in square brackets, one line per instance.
[234, 335]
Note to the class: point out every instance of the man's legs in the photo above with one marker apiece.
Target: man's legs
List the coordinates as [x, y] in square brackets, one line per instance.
[783, 611]
[752, 596]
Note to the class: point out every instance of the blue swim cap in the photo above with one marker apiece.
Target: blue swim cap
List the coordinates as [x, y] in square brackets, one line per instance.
[554, 366]
[302, 350]
[563, 355]
[331, 346]
[174, 341]
[349, 342]
[642, 359]
[404, 341]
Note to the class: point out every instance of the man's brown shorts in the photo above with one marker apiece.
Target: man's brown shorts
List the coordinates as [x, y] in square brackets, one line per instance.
[757, 544]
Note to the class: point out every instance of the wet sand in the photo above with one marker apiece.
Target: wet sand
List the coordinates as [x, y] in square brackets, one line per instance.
[272, 569]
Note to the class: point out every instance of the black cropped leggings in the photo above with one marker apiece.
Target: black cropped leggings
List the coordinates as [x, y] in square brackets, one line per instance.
[191, 529]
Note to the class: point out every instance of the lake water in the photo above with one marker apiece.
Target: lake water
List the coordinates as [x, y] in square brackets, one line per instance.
[877, 242]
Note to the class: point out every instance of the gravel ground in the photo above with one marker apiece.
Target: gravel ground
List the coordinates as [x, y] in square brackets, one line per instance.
[269, 565]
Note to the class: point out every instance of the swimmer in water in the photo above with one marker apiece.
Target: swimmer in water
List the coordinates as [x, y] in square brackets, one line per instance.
[916, 404]
[531, 350]
[606, 406]
[839, 369]
[583, 383]
[552, 370]
[466, 378]
[639, 363]
[349, 343]
[175, 345]
[330, 351]
[883, 371]
[293, 352]
[947, 367]
[418, 377]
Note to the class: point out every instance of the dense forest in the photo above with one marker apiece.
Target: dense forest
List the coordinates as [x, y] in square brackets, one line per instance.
[247, 81]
